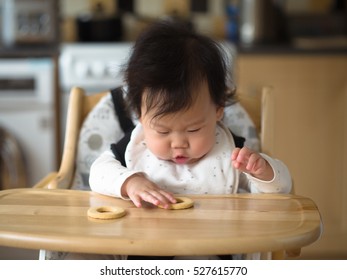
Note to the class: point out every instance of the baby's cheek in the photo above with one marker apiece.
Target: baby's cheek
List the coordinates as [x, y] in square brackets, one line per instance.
[158, 148]
[201, 146]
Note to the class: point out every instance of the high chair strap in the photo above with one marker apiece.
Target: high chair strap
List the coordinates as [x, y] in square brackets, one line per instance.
[119, 105]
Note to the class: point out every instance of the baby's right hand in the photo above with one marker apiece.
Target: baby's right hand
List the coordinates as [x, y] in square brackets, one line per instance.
[138, 188]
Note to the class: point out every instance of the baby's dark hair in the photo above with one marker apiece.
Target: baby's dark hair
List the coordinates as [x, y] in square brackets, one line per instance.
[167, 62]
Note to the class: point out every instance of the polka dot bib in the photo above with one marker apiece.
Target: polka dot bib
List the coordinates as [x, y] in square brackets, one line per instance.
[213, 174]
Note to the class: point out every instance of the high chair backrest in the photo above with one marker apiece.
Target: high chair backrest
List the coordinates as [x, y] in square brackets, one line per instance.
[79, 106]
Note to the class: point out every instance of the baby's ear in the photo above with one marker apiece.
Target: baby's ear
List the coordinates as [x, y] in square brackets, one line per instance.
[219, 113]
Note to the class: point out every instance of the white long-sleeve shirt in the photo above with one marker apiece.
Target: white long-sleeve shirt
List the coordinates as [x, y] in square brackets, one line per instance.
[213, 174]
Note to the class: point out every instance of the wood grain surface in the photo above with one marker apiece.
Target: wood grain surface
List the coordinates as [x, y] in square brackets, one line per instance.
[241, 223]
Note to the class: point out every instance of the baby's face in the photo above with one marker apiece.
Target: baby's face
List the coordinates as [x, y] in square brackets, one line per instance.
[183, 137]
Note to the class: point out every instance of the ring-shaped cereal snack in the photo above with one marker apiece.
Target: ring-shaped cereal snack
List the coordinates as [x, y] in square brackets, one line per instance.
[181, 203]
[106, 212]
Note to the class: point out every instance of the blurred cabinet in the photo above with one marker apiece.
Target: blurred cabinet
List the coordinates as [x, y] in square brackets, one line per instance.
[309, 132]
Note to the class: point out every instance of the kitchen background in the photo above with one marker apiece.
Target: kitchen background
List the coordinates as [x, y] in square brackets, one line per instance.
[297, 46]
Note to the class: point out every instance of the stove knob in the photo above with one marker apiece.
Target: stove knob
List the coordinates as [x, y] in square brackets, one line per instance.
[98, 69]
[82, 69]
[113, 68]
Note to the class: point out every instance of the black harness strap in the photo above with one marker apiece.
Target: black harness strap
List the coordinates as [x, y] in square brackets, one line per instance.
[119, 105]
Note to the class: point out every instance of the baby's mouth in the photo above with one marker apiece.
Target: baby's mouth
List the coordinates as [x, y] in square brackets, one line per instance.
[181, 159]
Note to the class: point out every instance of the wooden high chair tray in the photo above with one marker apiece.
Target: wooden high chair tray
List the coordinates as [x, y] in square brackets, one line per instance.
[241, 223]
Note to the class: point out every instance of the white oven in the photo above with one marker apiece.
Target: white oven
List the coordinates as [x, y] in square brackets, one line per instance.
[92, 66]
[27, 111]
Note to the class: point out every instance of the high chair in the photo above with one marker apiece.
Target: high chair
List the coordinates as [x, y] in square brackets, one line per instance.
[81, 104]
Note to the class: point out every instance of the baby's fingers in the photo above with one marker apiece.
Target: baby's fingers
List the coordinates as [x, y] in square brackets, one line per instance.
[169, 196]
[240, 157]
[136, 199]
[252, 164]
[235, 153]
[143, 196]
[164, 199]
[155, 197]
[252, 161]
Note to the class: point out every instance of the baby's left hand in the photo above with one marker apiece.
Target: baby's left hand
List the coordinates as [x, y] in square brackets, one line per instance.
[252, 162]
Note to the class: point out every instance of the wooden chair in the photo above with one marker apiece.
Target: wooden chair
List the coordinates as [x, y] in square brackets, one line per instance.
[79, 106]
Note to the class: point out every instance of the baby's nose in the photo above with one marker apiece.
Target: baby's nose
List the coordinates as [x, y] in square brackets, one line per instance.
[179, 142]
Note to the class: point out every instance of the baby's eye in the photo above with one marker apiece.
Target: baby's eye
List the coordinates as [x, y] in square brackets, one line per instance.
[194, 130]
[163, 132]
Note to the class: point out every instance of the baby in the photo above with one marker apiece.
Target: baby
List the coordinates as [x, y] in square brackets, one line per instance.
[177, 88]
